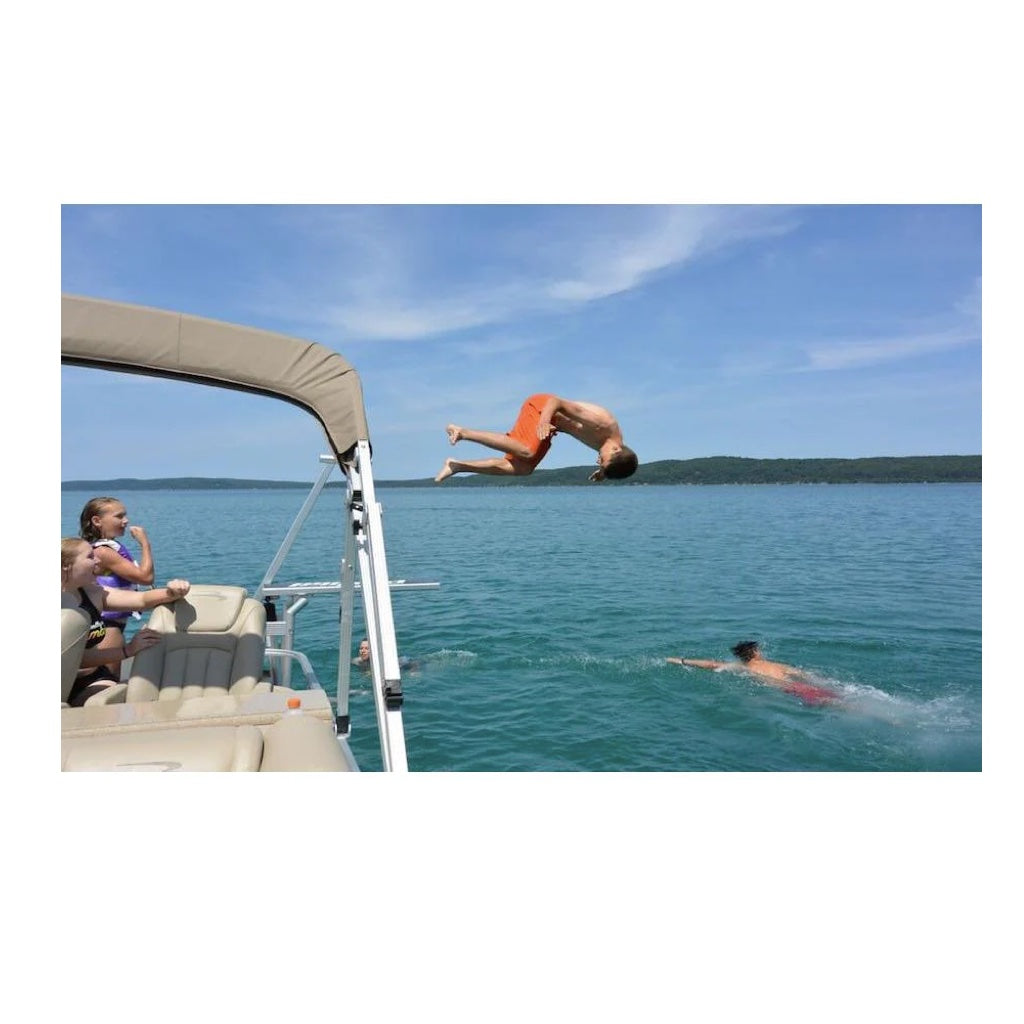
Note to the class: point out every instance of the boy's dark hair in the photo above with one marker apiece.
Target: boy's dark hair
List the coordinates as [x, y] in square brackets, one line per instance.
[622, 464]
[745, 650]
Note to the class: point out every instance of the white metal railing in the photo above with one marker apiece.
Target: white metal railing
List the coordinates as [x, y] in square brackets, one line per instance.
[363, 548]
[278, 653]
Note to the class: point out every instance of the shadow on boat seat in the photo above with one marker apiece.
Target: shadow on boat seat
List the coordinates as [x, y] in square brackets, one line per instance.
[213, 645]
[74, 631]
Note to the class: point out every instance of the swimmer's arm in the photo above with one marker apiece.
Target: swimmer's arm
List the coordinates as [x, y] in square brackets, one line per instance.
[696, 662]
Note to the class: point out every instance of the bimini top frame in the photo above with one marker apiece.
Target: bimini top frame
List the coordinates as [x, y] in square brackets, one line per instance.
[136, 339]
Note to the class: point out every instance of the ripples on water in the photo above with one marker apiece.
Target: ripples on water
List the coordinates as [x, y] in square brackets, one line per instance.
[544, 649]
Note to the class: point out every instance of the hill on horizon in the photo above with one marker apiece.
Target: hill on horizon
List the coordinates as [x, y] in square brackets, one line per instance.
[719, 469]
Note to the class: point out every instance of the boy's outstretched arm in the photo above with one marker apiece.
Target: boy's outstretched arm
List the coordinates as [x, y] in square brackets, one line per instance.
[696, 662]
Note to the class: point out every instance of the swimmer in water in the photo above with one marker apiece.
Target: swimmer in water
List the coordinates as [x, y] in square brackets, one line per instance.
[774, 673]
[363, 661]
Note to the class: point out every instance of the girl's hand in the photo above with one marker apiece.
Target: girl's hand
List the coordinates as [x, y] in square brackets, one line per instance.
[544, 430]
[138, 533]
[179, 588]
[143, 639]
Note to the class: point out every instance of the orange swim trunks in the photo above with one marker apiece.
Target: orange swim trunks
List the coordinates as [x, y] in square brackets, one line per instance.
[525, 432]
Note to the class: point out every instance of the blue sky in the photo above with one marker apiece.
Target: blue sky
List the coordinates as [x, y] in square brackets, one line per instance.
[760, 331]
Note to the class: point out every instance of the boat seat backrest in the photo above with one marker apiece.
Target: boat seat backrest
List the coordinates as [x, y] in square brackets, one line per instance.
[213, 643]
[74, 631]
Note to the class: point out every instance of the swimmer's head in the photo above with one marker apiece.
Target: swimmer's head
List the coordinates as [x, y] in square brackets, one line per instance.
[747, 650]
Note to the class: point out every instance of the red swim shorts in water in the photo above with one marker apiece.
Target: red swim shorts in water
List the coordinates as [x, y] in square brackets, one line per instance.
[525, 432]
[811, 694]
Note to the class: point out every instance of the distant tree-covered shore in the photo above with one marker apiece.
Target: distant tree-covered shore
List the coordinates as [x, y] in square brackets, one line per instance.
[721, 469]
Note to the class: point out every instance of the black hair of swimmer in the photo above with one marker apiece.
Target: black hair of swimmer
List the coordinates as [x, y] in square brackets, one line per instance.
[746, 650]
[622, 464]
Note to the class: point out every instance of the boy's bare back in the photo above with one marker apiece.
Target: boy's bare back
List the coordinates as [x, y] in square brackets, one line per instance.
[773, 669]
[593, 425]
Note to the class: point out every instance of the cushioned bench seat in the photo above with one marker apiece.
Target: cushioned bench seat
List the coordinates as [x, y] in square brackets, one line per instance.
[293, 743]
[195, 700]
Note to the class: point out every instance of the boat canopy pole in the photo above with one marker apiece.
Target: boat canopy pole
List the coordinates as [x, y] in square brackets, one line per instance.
[347, 602]
[368, 532]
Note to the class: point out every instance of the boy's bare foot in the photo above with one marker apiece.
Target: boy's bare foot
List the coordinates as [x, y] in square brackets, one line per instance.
[454, 433]
[446, 471]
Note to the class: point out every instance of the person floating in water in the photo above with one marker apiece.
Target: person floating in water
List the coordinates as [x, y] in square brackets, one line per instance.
[774, 673]
[525, 445]
[363, 660]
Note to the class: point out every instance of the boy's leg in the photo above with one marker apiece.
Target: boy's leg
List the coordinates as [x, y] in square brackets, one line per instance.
[490, 467]
[499, 442]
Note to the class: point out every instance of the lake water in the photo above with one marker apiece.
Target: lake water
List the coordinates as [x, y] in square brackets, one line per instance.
[544, 648]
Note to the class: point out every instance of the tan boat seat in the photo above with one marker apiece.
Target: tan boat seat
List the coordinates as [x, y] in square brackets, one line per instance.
[214, 749]
[293, 743]
[223, 719]
[213, 644]
[74, 631]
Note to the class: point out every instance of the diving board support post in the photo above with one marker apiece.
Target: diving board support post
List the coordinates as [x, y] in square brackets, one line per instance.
[368, 534]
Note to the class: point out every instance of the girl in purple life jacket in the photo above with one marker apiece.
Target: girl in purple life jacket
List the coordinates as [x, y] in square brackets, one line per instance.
[102, 523]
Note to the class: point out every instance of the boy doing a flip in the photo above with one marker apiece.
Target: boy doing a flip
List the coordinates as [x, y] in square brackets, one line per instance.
[525, 445]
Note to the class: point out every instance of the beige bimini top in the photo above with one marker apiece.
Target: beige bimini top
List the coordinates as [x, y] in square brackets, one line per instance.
[136, 339]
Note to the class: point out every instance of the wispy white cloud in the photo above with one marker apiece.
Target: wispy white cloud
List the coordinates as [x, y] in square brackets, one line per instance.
[625, 262]
[680, 234]
[954, 327]
[495, 346]
[600, 251]
[959, 326]
[849, 355]
[403, 321]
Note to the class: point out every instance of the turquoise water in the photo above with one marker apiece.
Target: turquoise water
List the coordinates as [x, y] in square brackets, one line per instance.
[544, 648]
